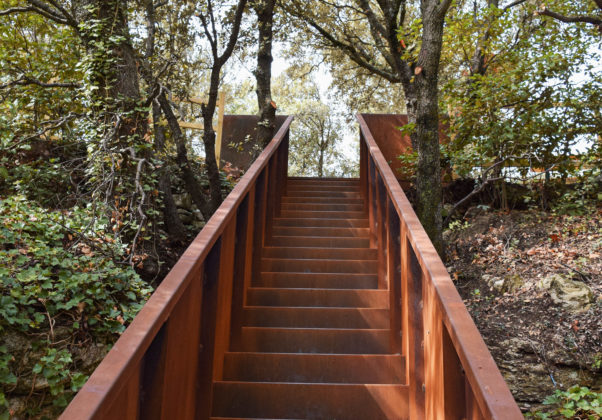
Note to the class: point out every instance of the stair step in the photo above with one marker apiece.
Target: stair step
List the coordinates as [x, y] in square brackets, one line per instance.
[318, 266]
[314, 368]
[320, 253]
[314, 340]
[321, 231]
[317, 187]
[317, 280]
[341, 223]
[323, 200]
[297, 214]
[342, 298]
[322, 181]
[317, 241]
[357, 318]
[244, 418]
[311, 194]
[310, 401]
[322, 207]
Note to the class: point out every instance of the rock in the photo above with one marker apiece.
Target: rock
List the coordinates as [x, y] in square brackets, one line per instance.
[572, 294]
[199, 215]
[183, 201]
[508, 284]
[532, 377]
[186, 216]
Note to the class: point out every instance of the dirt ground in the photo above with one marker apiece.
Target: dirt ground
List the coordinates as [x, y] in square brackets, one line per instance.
[532, 282]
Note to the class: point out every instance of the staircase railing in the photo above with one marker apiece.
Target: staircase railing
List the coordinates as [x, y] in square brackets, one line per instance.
[164, 363]
[450, 372]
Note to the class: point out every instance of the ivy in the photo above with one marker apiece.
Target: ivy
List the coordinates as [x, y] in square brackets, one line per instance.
[58, 273]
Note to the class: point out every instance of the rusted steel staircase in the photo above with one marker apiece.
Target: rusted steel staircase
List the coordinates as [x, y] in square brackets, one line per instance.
[303, 299]
[315, 328]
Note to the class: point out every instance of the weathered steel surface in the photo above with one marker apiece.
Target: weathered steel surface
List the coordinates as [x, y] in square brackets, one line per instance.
[120, 387]
[290, 303]
[391, 141]
[432, 305]
[240, 130]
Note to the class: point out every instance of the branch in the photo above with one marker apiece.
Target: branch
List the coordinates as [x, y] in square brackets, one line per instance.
[593, 20]
[15, 10]
[240, 8]
[512, 4]
[25, 80]
[350, 51]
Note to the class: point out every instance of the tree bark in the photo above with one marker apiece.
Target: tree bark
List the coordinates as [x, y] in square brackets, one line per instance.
[190, 182]
[428, 177]
[208, 109]
[263, 74]
[173, 225]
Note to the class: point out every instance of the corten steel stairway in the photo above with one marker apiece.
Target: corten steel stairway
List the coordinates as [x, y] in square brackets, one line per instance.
[303, 299]
[315, 329]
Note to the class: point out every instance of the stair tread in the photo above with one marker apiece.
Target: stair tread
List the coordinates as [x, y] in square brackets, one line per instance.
[310, 401]
[308, 297]
[314, 368]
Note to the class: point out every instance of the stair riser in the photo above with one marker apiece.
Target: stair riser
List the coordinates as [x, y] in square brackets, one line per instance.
[326, 194]
[321, 231]
[322, 200]
[308, 241]
[310, 401]
[318, 297]
[360, 318]
[318, 266]
[293, 189]
[320, 253]
[317, 281]
[275, 340]
[323, 181]
[338, 223]
[322, 207]
[314, 368]
[323, 214]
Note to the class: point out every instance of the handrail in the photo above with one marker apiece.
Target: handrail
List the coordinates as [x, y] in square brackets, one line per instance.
[164, 362]
[449, 369]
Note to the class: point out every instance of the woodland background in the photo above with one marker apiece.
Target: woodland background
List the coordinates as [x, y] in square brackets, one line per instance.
[101, 190]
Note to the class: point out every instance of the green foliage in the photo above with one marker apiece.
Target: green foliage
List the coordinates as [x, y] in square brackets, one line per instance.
[576, 402]
[584, 196]
[58, 271]
[535, 93]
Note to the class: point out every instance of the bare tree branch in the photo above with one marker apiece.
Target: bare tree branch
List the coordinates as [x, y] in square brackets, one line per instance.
[25, 80]
[593, 20]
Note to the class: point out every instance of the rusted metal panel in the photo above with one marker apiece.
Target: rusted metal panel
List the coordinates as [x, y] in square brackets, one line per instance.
[182, 355]
[416, 350]
[224, 301]
[239, 145]
[453, 376]
[392, 142]
[490, 391]
[394, 276]
[118, 375]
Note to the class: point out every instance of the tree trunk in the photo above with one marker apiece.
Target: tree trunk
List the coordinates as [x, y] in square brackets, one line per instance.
[190, 182]
[263, 74]
[208, 109]
[428, 176]
[173, 225]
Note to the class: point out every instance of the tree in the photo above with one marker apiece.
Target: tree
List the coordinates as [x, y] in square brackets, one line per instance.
[404, 46]
[264, 9]
[509, 105]
[315, 144]
[575, 13]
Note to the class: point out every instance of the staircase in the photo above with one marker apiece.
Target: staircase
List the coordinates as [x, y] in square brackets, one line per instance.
[315, 340]
[303, 299]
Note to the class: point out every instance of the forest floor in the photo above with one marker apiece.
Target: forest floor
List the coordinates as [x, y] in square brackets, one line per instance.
[532, 282]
